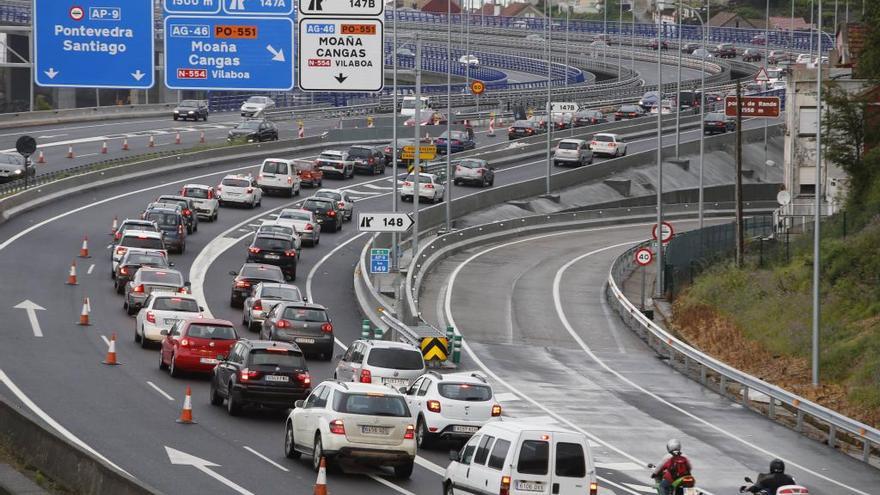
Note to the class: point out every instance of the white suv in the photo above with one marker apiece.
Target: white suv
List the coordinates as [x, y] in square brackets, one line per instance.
[204, 199]
[279, 175]
[452, 406]
[240, 189]
[608, 144]
[572, 151]
[353, 421]
[161, 311]
[431, 188]
[382, 362]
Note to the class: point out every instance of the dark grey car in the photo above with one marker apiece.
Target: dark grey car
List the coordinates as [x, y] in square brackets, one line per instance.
[306, 324]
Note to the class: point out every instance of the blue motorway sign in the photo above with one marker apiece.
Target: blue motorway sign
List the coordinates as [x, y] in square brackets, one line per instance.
[380, 260]
[229, 53]
[230, 7]
[94, 43]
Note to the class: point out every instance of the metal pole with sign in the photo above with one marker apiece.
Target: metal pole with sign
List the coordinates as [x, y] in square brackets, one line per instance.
[417, 119]
[817, 224]
[677, 89]
[658, 285]
[26, 146]
[395, 238]
[549, 89]
[448, 205]
[644, 257]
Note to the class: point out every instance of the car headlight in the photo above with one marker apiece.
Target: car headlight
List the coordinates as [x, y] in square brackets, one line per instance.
[18, 171]
[191, 112]
[177, 111]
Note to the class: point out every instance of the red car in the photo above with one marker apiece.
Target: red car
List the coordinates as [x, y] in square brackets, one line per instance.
[195, 345]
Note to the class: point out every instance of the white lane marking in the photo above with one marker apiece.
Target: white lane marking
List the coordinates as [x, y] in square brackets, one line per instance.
[244, 230]
[366, 193]
[161, 392]
[91, 269]
[254, 225]
[374, 186]
[106, 340]
[506, 397]
[87, 154]
[541, 420]
[640, 488]
[203, 261]
[391, 485]
[180, 458]
[109, 246]
[51, 422]
[31, 309]
[430, 466]
[560, 311]
[620, 466]
[270, 461]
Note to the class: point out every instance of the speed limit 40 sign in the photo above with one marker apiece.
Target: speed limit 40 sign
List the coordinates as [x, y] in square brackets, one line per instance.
[644, 257]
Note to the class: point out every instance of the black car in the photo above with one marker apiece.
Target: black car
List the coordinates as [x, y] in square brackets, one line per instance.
[306, 324]
[589, 117]
[718, 123]
[629, 112]
[172, 224]
[12, 168]
[133, 260]
[368, 159]
[260, 373]
[191, 109]
[188, 210]
[327, 213]
[249, 275]
[253, 131]
[689, 47]
[524, 128]
[461, 141]
[274, 249]
[661, 43]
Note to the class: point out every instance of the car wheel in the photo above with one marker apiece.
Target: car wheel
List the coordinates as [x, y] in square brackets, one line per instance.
[260, 202]
[176, 117]
[220, 203]
[215, 216]
[447, 489]
[182, 249]
[423, 436]
[289, 442]
[328, 354]
[172, 368]
[216, 399]
[338, 226]
[137, 336]
[293, 275]
[129, 309]
[232, 406]
[404, 471]
[317, 240]
[143, 340]
[119, 287]
[624, 151]
[162, 365]
[318, 453]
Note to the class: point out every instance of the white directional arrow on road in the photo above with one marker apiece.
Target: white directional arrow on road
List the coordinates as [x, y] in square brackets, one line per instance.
[138, 75]
[278, 54]
[32, 308]
[51, 73]
[179, 458]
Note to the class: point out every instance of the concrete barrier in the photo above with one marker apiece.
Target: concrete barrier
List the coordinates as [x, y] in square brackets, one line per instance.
[63, 462]
[90, 114]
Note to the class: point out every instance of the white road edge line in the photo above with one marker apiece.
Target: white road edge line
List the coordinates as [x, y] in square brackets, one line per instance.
[270, 461]
[391, 485]
[91, 269]
[161, 392]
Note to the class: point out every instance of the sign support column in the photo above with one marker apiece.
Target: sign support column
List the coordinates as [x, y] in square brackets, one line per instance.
[417, 169]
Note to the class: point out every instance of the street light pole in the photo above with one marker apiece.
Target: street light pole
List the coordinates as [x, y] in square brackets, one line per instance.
[417, 125]
[549, 90]
[817, 224]
[449, 181]
[604, 30]
[678, 90]
[632, 40]
[658, 285]
[395, 237]
[766, 55]
[619, 37]
[703, 29]
[567, 13]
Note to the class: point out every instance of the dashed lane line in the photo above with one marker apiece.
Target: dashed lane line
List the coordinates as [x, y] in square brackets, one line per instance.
[270, 461]
[159, 390]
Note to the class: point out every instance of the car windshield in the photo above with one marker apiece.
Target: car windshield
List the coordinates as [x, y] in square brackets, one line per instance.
[401, 359]
[305, 314]
[142, 242]
[189, 104]
[257, 99]
[275, 229]
[196, 192]
[423, 178]
[139, 259]
[282, 358]
[271, 167]
[161, 277]
[272, 244]
[603, 138]
[296, 215]
[329, 194]
[249, 125]
[214, 332]
[374, 404]
[236, 182]
[163, 219]
[281, 293]
[714, 116]
[176, 304]
[472, 164]
[522, 123]
[330, 156]
[260, 272]
[410, 104]
[465, 391]
[359, 153]
[315, 205]
[568, 145]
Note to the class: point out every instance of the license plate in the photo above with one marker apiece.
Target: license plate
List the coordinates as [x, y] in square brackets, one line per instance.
[277, 378]
[465, 429]
[530, 486]
[208, 361]
[374, 430]
[305, 341]
[272, 257]
[397, 382]
[171, 321]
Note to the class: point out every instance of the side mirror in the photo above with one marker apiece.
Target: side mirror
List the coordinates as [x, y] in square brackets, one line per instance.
[163, 332]
[171, 263]
[453, 456]
[299, 404]
[403, 390]
[233, 273]
[748, 480]
[201, 308]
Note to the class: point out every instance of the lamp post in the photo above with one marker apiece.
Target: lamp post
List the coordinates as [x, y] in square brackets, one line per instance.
[658, 285]
[549, 90]
[766, 56]
[678, 89]
[817, 218]
[604, 30]
[619, 37]
[449, 62]
[395, 238]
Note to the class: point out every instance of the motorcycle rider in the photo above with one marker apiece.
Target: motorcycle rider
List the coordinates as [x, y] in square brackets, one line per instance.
[673, 466]
[770, 482]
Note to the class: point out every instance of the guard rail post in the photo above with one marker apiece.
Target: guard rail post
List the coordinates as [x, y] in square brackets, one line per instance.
[456, 348]
[366, 333]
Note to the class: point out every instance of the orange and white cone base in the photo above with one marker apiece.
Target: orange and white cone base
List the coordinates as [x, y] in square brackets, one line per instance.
[84, 314]
[111, 352]
[84, 249]
[70, 152]
[104, 148]
[177, 138]
[152, 142]
[321, 483]
[71, 275]
[125, 144]
[115, 226]
[186, 415]
[41, 159]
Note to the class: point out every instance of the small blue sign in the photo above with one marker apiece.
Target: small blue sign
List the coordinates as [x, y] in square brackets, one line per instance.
[229, 53]
[193, 6]
[257, 7]
[94, 43]
[380, 261]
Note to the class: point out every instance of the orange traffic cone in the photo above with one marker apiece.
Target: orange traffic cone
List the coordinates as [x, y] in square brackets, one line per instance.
[41, 158]
[177, 138]
[321, 483]
[71, 276]
[84, 314]
[104, 148]
[125, 144]
[111, 352]
[70, 152]
[186, 416]
[84, 250]
[202, 137]
[115, 225]
[152, 142]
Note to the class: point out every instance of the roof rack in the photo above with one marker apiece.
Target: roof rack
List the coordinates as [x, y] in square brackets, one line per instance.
[479, 377]
[435, 373]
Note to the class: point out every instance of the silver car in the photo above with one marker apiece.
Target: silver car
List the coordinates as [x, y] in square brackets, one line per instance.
[263, 298]
[149, 279]
[304, 222]
[343, 201]
[572, 152]
[383, 362]
[473, 171]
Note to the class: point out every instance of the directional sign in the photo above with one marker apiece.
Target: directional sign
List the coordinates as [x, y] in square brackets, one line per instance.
[753, 106]
[668, 232]
[564, 107]
[477, 87]
[384, 222]
[380, 260]
[644, 257]
[341, 55]
[762, 76]
[94, 43]
[229, 53]
[345, 8]
[436, 348]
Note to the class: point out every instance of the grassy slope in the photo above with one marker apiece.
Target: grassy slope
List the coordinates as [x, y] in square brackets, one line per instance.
[760, 320]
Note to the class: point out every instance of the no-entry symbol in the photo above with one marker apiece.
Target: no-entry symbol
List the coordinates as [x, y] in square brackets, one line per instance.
[77, 13]
[668, 232]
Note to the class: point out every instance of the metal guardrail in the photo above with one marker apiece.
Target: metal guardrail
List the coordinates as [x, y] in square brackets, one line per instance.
[785, 407]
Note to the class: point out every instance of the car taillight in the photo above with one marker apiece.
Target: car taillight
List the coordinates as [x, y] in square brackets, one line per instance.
[151, 317]
[304, 378]
[505, 486]
[366, 376]
[326, 328]
[118, 235]
[456, 142]
[372, 160]
[429, 186]
[290, 253]
[258, 305]
[260, 177]
[434, 406]
[246, 375]
[242, 283]
[180, 229]
[510, 129]
[183, 290]
[254, 250]
[282, 324]
[407, 183]
[139, 289]
[121, 250]
[250, 190]
[331, 213]
[210, 194]
[123, 271]
[337, 427]
[310, 226]
[340, 205]
[593, 143]
[410, 432]
[289, 179]
[594, 488]
[187, 212]
[529, 131]
[184, 343]
[496, 410]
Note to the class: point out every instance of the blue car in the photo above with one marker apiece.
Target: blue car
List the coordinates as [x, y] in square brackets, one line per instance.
[461, 141]
[172, 224]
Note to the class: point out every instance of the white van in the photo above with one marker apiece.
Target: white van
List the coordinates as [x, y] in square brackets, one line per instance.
[408, 107]
[279, 175]
[520, 458]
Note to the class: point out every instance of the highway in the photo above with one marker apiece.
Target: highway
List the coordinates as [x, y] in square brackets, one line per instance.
[112, 409]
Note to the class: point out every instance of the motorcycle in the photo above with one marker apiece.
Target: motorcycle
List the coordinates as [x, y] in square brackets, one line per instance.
[686, 485]
[782, 490]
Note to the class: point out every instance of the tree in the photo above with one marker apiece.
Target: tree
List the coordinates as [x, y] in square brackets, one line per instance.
[869, 59]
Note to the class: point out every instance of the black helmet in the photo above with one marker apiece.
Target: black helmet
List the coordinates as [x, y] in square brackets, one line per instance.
[777, 466]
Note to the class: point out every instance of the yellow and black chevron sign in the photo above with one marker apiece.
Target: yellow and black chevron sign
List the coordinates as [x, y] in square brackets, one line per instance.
[435, 348]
